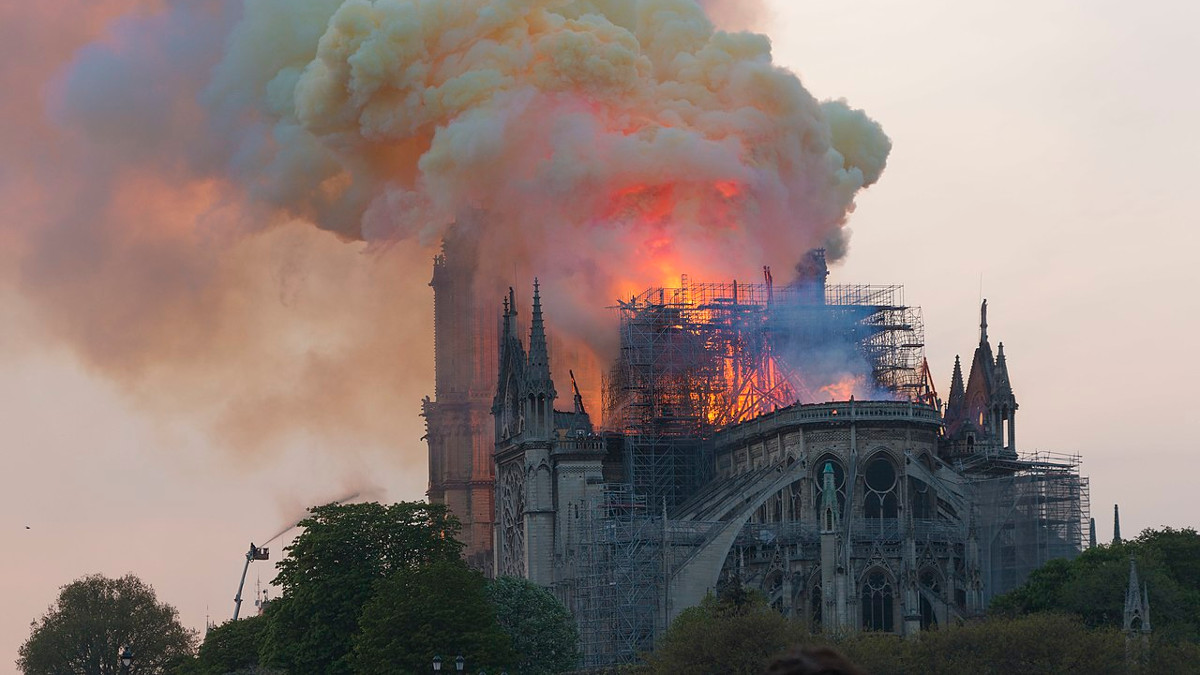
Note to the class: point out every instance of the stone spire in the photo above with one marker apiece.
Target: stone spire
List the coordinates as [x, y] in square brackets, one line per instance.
[539, 391]
[538, 370]
[1145, 607]
[954, 405]
[830, 515]
[1137, 603]
[505, 336]
[1002, 384]
[506, 404]
[1004, 403]
[1091, 533]
[1116, 524]
[508, 329]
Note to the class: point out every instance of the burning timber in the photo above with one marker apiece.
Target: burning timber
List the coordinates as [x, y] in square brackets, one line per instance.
[787, 437]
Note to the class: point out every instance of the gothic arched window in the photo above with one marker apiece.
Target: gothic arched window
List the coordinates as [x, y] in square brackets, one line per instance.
[880, 498]
[814, 603]
[877, 602]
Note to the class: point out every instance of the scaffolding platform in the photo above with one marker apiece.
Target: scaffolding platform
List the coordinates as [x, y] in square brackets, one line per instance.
[1030, 510]
[619, 587]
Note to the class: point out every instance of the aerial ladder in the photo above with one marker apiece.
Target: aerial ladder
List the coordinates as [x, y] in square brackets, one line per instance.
[255, 553]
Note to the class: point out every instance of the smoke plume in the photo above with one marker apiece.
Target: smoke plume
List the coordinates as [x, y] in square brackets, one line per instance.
[173, 158]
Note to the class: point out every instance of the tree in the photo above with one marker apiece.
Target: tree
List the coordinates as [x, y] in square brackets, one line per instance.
[232, 647]
[94, 619]
[436, 609]
[543, 633]
[1092, 586]
[1036, 643]
[330, 573]
[736, 633]
[1039, 643]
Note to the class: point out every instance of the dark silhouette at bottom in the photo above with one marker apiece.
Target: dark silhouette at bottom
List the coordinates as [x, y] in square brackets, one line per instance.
[813, 661]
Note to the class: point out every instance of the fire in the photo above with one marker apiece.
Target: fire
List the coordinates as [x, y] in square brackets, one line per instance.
[659, 224]
[844, 388]
[648, 204]
[728, 189]
[753, 389]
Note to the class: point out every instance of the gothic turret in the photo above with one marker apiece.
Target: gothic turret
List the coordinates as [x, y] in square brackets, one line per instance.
[1003, 386]
[834, 589]
[829, 503]
[539, 387]
[507, 407]
[1137, 605]
[981, 417]
[954, 405]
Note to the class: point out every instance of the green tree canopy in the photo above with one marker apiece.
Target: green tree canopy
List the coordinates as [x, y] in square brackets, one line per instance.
[232, 647]
[543, 633]
[1092, 586]
[1035, 643]
[331, 570]
[736, 633]
[94, 619]
[439, 609]
[1039, 643]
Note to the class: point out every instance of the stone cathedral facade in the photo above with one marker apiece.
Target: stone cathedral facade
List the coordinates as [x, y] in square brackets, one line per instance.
[549, 463]
[893, 514]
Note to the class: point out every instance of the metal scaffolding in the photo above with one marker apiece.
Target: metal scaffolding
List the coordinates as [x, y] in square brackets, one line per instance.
[1036, 511]
[708, 355]
[620, 581]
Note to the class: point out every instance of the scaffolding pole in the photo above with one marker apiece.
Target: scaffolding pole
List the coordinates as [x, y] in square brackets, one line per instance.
[1036, 512]
[620, 582]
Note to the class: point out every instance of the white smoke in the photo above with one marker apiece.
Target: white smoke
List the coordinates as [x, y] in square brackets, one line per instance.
[607, 145]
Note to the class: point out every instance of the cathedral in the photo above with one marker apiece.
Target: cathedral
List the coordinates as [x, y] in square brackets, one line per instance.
[788, 439]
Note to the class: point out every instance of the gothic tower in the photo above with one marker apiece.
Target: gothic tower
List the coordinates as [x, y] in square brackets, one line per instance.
[539, 439]
[524, 437]
[460, 436]
[981, 418]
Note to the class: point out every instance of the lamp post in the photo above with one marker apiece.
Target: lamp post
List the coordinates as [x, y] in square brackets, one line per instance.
[126, 659]
[459, 663]
[437, 664]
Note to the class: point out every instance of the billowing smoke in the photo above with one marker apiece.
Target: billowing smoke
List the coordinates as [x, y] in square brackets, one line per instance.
[735, 15]
[608, 141]
[176, 154]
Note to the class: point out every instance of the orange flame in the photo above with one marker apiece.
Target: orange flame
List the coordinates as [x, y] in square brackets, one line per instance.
[844, 388]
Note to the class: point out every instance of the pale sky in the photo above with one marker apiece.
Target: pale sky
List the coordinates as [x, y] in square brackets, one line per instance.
[1043, 155]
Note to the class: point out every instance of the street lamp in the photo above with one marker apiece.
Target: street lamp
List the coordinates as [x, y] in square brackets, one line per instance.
[458, 663]
[126, 658]
[437, 664]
